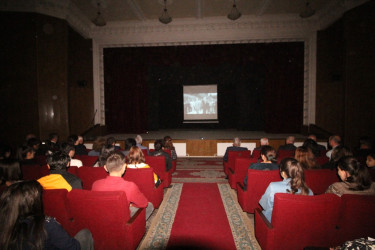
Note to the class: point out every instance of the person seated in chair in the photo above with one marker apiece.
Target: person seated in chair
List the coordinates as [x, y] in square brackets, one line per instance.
[70, 150]
[289, 144]
[268, 156]
[355, 178]
[59, 178]
[139, 140]
[129, 142]
[168, 144]
[52, 143]
[116, 167]
[293, 182]
[158, 145]
[262, 142]
[80, 149]
[111, 142]
[236, 147]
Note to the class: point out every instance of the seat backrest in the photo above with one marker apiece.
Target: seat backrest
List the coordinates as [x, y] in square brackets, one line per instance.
[233, 154]
[157, 163]
[143, 177]
[357, 217]
[301, 220]
[87, 160]
[73, 170]
[41, 159]
[168, 151]
[105, 214]
[256, 153]
[34, 171]
[321, 160]
[55, 205]
[282, 154]
[372, 173]
[144, 151]
[89, 175]
[319, 180]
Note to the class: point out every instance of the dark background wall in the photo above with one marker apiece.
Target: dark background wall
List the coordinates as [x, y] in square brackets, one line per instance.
[260, 86]
[346, 75]
[42, 61]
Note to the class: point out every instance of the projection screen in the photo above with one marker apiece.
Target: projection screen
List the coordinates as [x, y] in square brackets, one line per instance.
[200, 102]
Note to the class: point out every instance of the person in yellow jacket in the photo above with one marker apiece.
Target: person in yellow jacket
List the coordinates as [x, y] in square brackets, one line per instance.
[59, 178]
[136, 159]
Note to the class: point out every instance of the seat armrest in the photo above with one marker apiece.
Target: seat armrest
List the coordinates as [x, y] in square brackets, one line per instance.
[240, 185]
[261, 215]
[135, 216]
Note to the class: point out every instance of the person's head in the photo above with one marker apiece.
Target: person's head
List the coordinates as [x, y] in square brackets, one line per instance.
[68, 149]
[115, 163]
[168, 142]
[10, 171]
[305, 157]
[312, 145]
[111, 141]
[264, 141]
[58, 161]
[5, 151]
[130, 142]
[136, 155]
[105, 152]
[312, 137]
[80, 139]
[27, 153]
[236, 142]
[290, 140]
[22, 215]
[34, 143]
[138, 139]
[291, 168]
[340, 152]
[370, 161]
[73, 140]
[98, 144]
[334, 140]
[350, 170]
[365, 142]
[158, 145]
[268, 154]
[53, 137]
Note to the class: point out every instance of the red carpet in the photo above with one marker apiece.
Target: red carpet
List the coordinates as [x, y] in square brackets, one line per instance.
[201, 221]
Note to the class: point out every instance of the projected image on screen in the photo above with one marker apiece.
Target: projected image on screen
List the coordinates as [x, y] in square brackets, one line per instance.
[200, 102]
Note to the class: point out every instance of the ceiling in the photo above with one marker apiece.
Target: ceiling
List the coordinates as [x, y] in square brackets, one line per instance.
[142, 10]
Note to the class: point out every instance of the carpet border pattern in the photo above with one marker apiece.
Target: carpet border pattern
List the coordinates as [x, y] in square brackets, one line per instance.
[243, 234]
[160, 230]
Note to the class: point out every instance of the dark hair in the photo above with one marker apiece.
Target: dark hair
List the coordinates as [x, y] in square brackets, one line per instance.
[340, 152]
[22, 216]
[359, 174]
[24, 151]
[72, 139]
[136, 155]
[33, 142]
[53, 135]
[269, 152]
[115, 161]
[66, 148]
[104, 153]
[110, 141]
[58, 160]
[98, 144]
[130, 142]
[312, 145]
[158, 144]
[10, 170]
[293, 170]
[168, 142]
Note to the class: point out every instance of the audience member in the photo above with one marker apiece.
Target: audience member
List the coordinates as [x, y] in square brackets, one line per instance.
[10, 172]
[27, 156]
[337, 153]
[136, 159]
[111, 141]
[104, 155]
[80, 147]
[262, 142]
[355, 178]
[158, 146]
[306, 158]
[116, 168]
[24, 225]
[313, 146]
[320, 147]
[52, 143]
[139, 140]
[129, 142]
[97, 146]
[370, 162]
[70, 150]
[293, 182]
[289, 144]
[365, 147]
[236, 147]
[5, 151]
[268, 156]
[333, 141]
[35, 144]
[59, 178]
[168, 144]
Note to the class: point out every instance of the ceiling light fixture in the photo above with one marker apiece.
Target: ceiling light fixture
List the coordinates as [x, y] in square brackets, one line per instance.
[165, 18]
[99, 20]
[234, 13]
[308, 11]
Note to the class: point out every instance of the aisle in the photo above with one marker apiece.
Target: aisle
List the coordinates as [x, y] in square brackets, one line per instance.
[200, 216]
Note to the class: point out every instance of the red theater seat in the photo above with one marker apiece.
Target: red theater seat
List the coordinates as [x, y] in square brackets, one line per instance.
[144, 178]
[87, 160]
[157, 163]
[321, 160]
[73, 170]
[256, 154]
[107, 216]
[257, 183]
[34, 172]
[319, 180]
[298, 221]
[282, 154]
[89, 175]
[239, 172]
[231, 158]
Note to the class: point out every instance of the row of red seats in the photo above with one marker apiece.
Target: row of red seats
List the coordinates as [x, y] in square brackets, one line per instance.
[325, 220]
